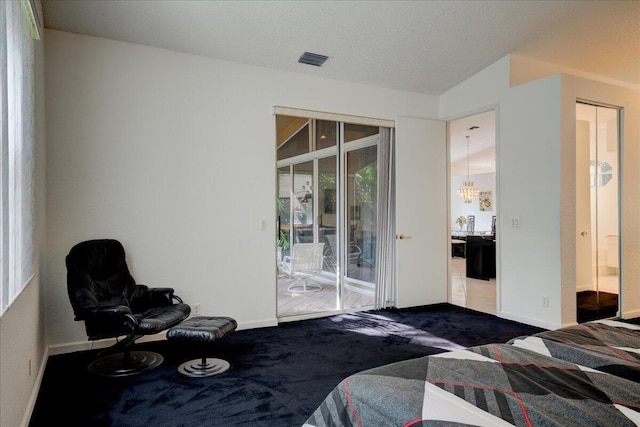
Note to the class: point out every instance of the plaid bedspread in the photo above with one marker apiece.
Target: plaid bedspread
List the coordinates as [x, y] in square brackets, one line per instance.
[587, 375]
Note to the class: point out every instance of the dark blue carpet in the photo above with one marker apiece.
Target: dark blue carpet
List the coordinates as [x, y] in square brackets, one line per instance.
[278, 375]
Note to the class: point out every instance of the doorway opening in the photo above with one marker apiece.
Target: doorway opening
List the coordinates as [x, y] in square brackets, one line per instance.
[597, 212]
[472, 211]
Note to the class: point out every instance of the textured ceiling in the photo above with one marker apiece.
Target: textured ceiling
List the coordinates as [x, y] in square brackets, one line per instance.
[419, 46]
[481, 130]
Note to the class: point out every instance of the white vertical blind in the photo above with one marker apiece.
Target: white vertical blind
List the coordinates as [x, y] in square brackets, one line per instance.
[17, 140]
[386, 228]
[4, 189]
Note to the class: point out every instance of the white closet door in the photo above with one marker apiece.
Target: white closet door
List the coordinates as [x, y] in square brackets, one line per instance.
[422, 239]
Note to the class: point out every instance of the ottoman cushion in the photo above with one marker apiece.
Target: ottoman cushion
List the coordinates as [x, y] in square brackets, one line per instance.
[203, 329]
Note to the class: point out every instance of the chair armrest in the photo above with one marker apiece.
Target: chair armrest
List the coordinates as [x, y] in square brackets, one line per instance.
[144, 298]
[95, 313]
[160, 297]
[106, 322]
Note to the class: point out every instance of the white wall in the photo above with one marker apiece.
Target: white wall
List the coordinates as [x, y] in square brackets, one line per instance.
[529, 165]
[478, 92]
[159, 149]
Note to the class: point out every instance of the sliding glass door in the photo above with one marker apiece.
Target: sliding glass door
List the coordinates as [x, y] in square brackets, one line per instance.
[361, 220]
[326, 196]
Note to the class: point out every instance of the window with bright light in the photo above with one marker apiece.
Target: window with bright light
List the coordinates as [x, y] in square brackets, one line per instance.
[17, 140]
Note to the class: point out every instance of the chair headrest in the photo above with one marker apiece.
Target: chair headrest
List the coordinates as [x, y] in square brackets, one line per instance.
[99, 259]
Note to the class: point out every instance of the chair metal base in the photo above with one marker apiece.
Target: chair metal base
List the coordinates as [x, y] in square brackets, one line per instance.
[204, 367]
[304, 286]
[125, 364]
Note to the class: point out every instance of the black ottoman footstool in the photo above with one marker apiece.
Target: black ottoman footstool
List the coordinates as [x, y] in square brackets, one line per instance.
[203, 330]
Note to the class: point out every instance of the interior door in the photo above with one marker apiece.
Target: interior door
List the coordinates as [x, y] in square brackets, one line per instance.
[421, 211]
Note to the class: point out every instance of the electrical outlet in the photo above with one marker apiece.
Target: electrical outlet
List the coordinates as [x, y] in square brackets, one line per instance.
[196, 308]
[515, 221]
[545, 300]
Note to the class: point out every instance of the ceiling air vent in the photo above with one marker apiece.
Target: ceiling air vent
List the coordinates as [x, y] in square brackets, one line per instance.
[312, 59]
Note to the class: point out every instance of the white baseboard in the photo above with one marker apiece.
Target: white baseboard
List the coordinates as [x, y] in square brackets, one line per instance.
[257, 324]
[35, 391]
[93, 345]
[631, 314]
[529, 321]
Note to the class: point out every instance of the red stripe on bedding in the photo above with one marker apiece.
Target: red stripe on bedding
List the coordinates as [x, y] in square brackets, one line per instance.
[353, 410]
[495, 347]
[522, 408]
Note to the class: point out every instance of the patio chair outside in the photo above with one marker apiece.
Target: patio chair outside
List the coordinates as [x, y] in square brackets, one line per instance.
[304, 263]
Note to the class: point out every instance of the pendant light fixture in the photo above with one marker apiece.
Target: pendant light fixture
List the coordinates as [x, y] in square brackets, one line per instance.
[468, 192]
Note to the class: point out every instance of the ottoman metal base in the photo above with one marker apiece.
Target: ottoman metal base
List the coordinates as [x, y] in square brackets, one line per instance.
[204, 367]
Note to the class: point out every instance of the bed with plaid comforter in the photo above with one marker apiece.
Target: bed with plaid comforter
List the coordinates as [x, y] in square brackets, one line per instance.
[585, 375]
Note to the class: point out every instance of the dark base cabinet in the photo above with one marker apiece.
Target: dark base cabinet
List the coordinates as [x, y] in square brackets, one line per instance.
[481, 257]
[457, 248]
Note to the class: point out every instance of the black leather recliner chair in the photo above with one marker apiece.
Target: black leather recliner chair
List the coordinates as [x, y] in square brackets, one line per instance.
[106, 297]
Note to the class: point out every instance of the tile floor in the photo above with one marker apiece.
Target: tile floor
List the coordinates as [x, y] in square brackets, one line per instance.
[475, 294]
